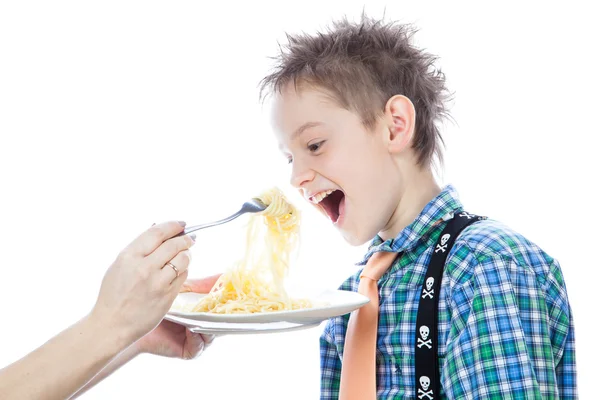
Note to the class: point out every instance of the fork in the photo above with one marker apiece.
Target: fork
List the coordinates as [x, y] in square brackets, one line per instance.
[252, 206]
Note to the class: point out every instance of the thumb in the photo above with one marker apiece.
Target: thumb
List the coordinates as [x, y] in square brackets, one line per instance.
[202, 285]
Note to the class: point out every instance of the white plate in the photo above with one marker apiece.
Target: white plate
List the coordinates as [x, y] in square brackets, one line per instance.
[226, 328]
[337, 302]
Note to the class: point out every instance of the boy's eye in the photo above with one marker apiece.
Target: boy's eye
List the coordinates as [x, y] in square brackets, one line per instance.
[289, 160]
[315, 146]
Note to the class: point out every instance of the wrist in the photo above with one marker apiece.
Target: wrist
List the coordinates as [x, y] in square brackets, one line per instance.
[107, 333]
[137, 348]
[131, 352]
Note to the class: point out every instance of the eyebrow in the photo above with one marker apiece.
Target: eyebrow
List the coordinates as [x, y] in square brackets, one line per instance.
[304, 127]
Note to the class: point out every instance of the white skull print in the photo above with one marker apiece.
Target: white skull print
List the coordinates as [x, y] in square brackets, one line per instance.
[445, 238]
[429, 283]
[424, 331]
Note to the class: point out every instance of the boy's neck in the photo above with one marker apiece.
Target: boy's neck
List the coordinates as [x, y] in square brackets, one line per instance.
[420, 189]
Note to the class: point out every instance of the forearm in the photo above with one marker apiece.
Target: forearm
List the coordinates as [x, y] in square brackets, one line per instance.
[123, 358]
[63, 365]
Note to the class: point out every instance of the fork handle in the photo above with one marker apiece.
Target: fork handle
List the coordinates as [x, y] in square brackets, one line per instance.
[208, 225]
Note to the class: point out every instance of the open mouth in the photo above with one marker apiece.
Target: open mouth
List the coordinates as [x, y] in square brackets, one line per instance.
[331, 201]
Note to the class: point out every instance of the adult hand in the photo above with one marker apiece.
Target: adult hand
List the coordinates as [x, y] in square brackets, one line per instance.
[140, 286]
[173, 340]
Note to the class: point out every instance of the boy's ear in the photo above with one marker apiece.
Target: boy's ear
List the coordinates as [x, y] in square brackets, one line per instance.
[400, 116]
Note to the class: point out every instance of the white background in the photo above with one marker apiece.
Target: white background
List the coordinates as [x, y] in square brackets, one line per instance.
[118, 114]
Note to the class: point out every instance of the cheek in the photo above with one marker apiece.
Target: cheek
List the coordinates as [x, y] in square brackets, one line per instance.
[368, 176]
[335, 166]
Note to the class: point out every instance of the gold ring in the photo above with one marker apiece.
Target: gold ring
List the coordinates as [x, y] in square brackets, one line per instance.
[174, 269]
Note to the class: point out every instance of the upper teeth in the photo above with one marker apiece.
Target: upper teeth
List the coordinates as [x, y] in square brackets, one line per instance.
[317, 198]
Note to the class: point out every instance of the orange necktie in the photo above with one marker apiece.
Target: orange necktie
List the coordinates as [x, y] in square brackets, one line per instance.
[358, 381]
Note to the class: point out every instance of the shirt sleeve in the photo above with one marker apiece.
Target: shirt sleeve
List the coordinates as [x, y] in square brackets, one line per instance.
[566, 371]
[562, 327]
[331, 366]
[503, 339]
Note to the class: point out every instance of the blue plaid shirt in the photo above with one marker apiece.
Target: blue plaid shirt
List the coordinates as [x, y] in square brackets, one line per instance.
[505, 324]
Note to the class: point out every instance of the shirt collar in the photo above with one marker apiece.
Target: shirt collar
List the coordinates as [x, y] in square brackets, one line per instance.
[442, 207]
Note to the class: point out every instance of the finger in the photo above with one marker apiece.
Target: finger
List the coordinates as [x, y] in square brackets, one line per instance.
[174, 268]
[176, 284]
[208, 339]
[194, 345]
[203, 285]
[169, 250]
[152, 238]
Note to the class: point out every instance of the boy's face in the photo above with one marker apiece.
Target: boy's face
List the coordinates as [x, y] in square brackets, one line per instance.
[343, 169]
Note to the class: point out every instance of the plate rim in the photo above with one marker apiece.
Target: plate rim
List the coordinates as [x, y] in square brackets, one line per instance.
[189, 324]
[272, 316]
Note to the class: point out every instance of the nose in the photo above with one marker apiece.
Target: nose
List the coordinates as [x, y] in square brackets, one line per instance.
[301, 174]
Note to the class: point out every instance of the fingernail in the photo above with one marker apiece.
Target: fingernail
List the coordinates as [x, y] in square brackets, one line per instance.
[182, 223]
[193, 237]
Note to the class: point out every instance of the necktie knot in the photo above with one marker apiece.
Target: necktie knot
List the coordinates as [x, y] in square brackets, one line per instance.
[378, 264]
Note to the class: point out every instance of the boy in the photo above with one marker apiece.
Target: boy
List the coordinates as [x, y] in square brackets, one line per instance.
[356, 112]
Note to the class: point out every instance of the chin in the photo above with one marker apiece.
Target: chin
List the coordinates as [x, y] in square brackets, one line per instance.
[355, 240]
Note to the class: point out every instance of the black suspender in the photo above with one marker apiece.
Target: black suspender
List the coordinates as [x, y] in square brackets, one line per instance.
[427, 379]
